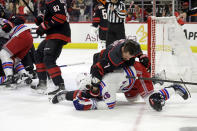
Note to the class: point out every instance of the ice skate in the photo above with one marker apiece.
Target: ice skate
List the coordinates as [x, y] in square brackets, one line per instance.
[58, 97]
[10, 80]
[41, 87]
[24, 78]
[33, 74]
[59, 88]
[184, 93]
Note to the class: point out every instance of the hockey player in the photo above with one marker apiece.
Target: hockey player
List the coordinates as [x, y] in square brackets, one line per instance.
[28, 60]
[16, 48]
[104, 95]
[100, 21]
[119, 54]
[55, 25]
[116, 14]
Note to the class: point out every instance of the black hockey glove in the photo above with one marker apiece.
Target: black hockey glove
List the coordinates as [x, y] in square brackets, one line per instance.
[6, 27]
[144, 60]
[42, 29]
[38, 20]
[95, 72]
[94, 88]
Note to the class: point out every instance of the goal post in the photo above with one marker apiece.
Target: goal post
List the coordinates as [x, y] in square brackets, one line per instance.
[169, 51]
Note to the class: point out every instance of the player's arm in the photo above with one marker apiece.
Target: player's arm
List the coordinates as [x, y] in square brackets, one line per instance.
[121, 13]
[58, 11]
[143, 58]
[96, 18]
[6, 25]
[102, 67]
[86, 103]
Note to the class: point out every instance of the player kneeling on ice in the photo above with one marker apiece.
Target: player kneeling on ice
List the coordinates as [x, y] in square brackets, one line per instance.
[103, 94]
[15, 49]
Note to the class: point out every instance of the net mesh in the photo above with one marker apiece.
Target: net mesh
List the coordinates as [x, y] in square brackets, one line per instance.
[169, 51]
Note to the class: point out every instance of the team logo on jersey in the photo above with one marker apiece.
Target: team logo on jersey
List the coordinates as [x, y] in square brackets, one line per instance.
[108, 65]
[106, 95]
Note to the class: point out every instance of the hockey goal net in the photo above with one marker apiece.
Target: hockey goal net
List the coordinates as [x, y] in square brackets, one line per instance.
[169, 51]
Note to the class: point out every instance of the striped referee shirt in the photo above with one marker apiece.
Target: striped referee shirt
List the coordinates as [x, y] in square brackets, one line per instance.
[118, 14]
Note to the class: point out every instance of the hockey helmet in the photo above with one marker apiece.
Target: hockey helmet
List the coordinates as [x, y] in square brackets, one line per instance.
[17, 20]
[82, 80]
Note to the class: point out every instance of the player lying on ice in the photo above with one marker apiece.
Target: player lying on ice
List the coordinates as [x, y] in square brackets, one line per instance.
[103, 96]
[14, 50]
[100, 93]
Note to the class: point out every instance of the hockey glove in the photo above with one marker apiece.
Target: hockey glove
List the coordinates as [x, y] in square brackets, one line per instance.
[42, 29]
[38, 20]
[7, 27]
[82, 103]
[94, 88]
[144, 60]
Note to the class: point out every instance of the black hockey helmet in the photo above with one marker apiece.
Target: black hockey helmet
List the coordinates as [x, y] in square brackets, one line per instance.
[17, 20]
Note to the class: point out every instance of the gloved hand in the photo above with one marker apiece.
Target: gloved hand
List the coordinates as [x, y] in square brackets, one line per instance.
[39, 19]
[42, 29]
[7, 27]
[95, 82]
[94, 87]
[82, 103]
[144, 60]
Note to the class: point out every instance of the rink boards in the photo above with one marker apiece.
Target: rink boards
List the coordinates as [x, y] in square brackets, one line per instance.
[83, 38]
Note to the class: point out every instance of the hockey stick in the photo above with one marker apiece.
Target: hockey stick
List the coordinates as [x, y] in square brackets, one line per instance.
[186, 88]
[155, 79]
[80, 63]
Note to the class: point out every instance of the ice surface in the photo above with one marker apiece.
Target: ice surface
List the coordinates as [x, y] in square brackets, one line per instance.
[23, 110]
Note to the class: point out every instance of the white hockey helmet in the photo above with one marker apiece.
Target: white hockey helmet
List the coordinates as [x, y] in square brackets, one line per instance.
[83, 79]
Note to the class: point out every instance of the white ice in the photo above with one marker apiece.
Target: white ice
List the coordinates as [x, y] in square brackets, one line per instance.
[23, 110]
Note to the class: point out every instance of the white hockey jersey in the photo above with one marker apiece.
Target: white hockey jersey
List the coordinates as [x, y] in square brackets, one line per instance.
[18, 29]
[115, 82]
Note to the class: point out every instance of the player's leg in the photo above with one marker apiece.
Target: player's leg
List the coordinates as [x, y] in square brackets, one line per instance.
[110, 36]
[67, 95]
[1, 70]
[145, 87]
[52, 51]
[21, 73]
[2, 42]
[40, 68]
[7, 64]
[132, 95]
[120, 32]
[63, 95]
[156, 99]
[28, 62]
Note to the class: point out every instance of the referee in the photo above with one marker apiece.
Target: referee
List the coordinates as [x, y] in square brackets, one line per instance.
[116, 14]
